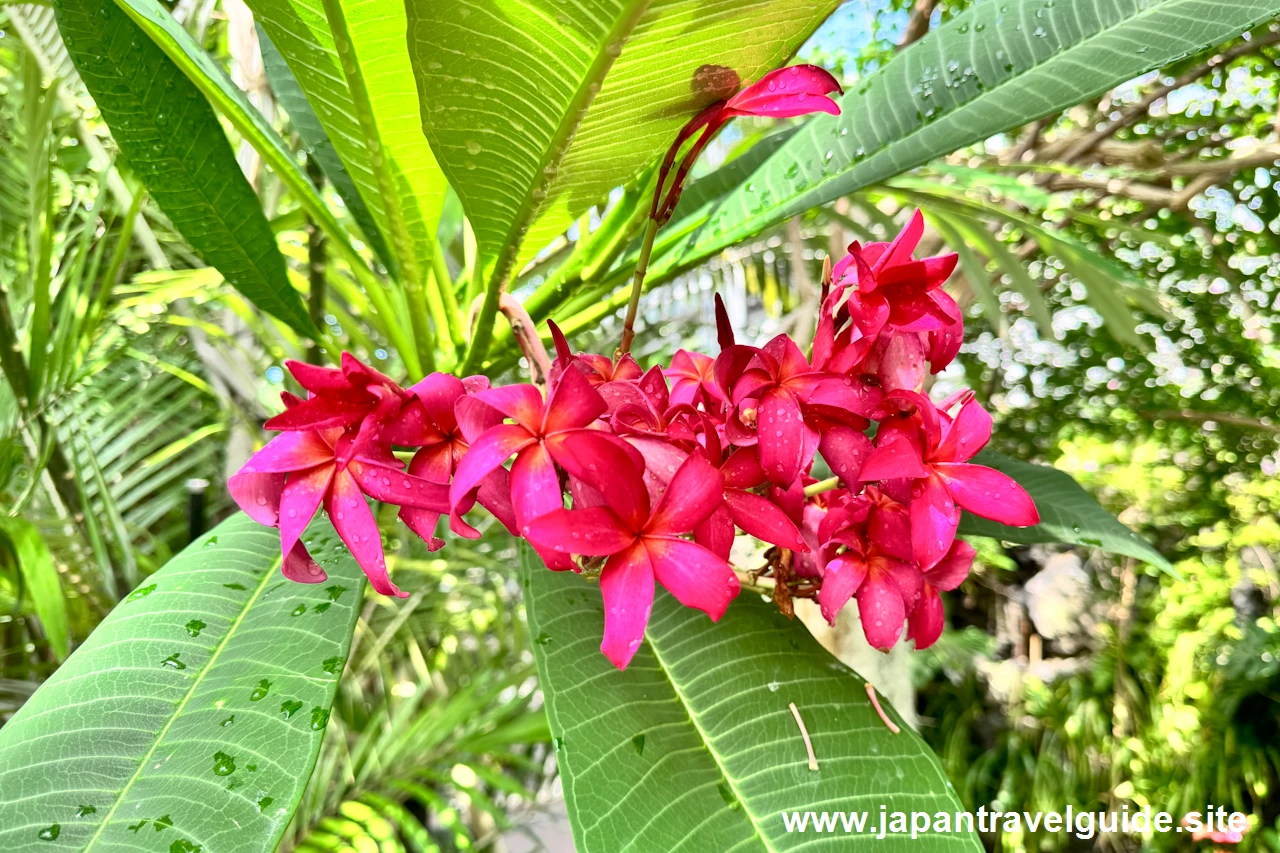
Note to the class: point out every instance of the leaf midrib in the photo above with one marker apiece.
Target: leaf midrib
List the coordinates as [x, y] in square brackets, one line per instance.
[1000, 87]
[707, 742]
[559, 143]
[204, 670]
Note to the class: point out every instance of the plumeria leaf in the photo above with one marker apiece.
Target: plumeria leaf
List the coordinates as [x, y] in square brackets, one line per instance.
[1067, 514]
[170, 137]
[194, 712]
[708, 704]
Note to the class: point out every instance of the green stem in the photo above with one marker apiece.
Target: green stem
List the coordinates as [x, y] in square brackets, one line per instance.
[828, 485]
[637, 286]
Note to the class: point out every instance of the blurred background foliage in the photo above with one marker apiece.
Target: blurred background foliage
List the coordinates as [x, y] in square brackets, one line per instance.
[1118, 264]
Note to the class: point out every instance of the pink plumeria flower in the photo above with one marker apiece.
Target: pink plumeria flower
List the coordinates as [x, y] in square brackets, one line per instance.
[284, 483]
[934, 455]
[543, 435]
[643, 545]
[693, 380]
[339, 397]
[884, 585]
[924, 625]
[440, 421]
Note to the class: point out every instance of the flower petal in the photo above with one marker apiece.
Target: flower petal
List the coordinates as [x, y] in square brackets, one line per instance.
[605, 463]
[318, 380]
[258, 495]
[299, 501]
[841, 578]
[846, 450]
[573, 404]
[298, 566]
[627, 587]
[715, 533]
[693, 494]
[322, 413]
[953, 568]
[487, 452]
[966, 435]
[290, 451]
[779, 426]
[899, 251]
[934, 518]
[986, 492]
[926, 620]
[438, 393]
[593, 532]
[393, 486]
[763, 519]
[742, 469]
[787, 92]
[880, 609]
[694, 575]
[897, 457]
[358, 528]
[521, 403]
[474, 417]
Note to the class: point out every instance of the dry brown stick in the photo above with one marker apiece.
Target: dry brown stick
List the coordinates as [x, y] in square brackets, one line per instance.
[804, 733]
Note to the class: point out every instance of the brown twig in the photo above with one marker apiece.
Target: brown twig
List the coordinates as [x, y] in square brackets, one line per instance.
[1139, 109]
[1198, 417]
[526, 335]
[804, 733]
[918, 23]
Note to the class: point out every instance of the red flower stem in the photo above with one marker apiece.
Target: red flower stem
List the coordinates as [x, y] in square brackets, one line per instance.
[637, 286]
[827, 485]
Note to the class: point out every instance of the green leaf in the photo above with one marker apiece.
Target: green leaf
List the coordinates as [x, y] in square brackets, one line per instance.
[191, 718]
[39, 580]
[517, 107]
[694, 747]
[290, 95]
[362, 88]
[172, 140]
[996, 66]
[1067, 514]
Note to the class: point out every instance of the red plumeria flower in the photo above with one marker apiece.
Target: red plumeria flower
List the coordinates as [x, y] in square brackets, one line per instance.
[785, 93]
[924, 625]
[694, 383]
[284, 483]
[430, 422]
[910, 289]
[543, 432]
[597, 368]
[643, 544]
[933, 453]
[339, 397]
[884, 585]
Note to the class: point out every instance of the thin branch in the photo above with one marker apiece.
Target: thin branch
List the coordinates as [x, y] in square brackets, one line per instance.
[918, 23]
[1198, 417]
[1139, 109]
[526, 335]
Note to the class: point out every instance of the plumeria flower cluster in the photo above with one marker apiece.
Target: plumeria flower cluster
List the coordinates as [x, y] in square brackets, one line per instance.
[641, 477]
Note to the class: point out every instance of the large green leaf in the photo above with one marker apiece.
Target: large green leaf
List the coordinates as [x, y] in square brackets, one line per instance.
[366, 98]
[290, 96]
[694, 747]
[170, 137]
[530, 132]
[190, 719]
[1067, 514]
[993, 67]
